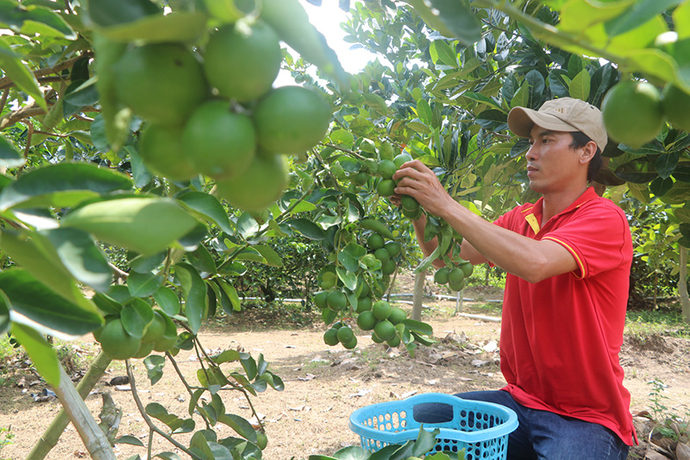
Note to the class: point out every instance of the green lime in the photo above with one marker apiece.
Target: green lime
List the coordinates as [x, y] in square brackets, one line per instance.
[320, 299]
[393, 248]
[256, 47]
[455, 276]
[467, 268]
[291, 120]
[345, 334]
[409, 203]
[387, 168]
[413, 215]
[376, 338]
[441, 275]
[220, 143]
[366, 320]
[328, 280]
[144, 350]
[388, 267]
[375, 241]
[351, 344]
[363, 304]
[260, 185]
[676, 105]
[384, 330]
[156, 329]
[360, 178]
[161, 149]
[632, 112]
[394, 341]
[381, 309]
[336, 300]
[386, 151]
[386, 187]
[330, 337]
[399, 160]
[162, 83]
[169, 338]
[382, 254]
[457, 286]
[116, 342]
[397, 315]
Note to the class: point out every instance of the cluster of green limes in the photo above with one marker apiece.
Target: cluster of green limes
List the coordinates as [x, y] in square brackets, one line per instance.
[454, 276]
[387, 165]
[634, 111]
[118, 343]
[385, 251]
[213, 111]
[385, 321]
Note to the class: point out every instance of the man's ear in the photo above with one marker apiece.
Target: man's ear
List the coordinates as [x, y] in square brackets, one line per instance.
[587, 152]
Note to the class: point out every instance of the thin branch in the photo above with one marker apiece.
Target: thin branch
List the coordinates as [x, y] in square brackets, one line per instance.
[27, 111]
[147, 419]
[7, 82]
[186, 385]
[5, 93]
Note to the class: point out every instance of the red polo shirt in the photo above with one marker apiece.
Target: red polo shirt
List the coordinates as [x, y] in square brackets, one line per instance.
[560, 338]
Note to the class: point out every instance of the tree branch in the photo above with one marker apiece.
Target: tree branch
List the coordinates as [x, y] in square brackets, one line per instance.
[7, 82]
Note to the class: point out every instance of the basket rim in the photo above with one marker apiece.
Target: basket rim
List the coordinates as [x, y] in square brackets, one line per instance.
[502, 429]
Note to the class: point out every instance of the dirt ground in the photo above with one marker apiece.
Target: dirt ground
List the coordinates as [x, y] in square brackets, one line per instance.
[324, 385]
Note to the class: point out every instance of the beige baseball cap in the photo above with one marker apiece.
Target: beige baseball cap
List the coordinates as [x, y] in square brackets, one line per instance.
[562, 114]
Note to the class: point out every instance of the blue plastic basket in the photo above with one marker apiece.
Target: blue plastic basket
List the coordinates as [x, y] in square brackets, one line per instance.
[481, 428]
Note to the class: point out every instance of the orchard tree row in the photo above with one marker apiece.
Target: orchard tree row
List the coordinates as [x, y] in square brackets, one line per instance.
[149, 159]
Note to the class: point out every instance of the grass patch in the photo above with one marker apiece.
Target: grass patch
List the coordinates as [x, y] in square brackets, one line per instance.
[665, 322]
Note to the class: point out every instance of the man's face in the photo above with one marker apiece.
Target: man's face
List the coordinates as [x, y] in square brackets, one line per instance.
[552, 164]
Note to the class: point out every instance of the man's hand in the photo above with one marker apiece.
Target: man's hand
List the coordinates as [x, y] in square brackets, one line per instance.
[421, 183]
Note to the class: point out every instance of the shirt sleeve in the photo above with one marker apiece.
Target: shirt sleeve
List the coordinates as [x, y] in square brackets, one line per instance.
[598, 237]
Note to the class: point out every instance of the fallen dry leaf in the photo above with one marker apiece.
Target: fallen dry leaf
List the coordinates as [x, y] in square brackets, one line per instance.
[683, 451]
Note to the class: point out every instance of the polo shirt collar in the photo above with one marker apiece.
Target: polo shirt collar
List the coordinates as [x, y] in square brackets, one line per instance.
[534, 213]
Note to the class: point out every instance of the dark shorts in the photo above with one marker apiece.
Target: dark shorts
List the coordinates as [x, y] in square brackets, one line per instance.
[540, 434]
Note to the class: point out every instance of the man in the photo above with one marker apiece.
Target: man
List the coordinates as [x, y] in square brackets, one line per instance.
[568, 260]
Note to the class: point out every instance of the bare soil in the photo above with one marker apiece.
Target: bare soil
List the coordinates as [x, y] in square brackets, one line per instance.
[324, 385]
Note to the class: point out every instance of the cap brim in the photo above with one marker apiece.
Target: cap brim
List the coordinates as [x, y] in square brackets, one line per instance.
[522, 120]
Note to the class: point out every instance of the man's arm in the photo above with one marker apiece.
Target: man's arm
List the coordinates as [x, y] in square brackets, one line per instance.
[529, 259]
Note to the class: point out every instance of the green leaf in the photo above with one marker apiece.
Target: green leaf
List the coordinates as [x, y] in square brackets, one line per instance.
[637, 171]
[40, 351]
[484, 100]
[194, 289]
[272, 258]
[348, 278]
[19, 73]
[418, 326]
[79, 255]
[666, 163]
[154, 367]
[639, 13]
[231, 293]
[108, 13]
[167, 300]
[226, 357]
[78, 95]
[173, 27]
[442, 53]
[225, 10]
[426, 440]
[208, 207]
[352, 453]
[62, 185]
[168, 456]
[306, 228]
[202, 260]
[240, 425]
[9, 155]
[34, 19]
[37, 304]
[580, 85]
[144, 284]
[4, 313]
[107, 304]
[136, 315]
[521, 96]
[145, 264]
[131, 440]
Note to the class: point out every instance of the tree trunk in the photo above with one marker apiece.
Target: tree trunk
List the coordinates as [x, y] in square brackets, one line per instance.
[60, 422]
[91, 434]
[683, 284]
[418, 295]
